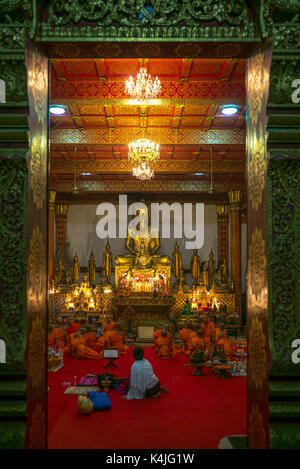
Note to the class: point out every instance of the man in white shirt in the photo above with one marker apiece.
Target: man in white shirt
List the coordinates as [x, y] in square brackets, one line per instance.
[143, 382]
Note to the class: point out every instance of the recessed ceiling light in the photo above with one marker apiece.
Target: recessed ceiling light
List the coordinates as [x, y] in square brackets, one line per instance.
[198, 174]
[86, 174]
[229, 110]
[57, 110]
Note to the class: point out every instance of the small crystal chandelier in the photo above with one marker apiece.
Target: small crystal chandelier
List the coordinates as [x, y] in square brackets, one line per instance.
[144, 87]
[143, 154]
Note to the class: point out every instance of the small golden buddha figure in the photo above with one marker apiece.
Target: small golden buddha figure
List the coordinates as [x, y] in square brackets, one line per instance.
[195, 266]
[107, 261]
[59, 272]
[176, 262]
[76, 269]
[211, 267]
[224, 271]
[205, 280]
[92, 269]
[143, 246]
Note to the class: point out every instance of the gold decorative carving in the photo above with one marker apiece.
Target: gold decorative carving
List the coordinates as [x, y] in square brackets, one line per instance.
[37, 81]
[235, 198]
[257, 352]
[256, 172]
[66, 50]
[36, 262]
[162, 135]
[36, 353]
[256, 431]
[256, 86]
[228, 50]
[223, 212]
[37, 430]
[61, 212]
[107, 49]
[257, 262]
[51, 200]
[188, 49]
[147, 49]
[38, 158]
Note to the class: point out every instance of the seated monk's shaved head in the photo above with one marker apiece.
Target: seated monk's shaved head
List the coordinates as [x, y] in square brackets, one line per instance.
[76, 336]
[222, 325]
[221, 336]
[164, 334]
[138, 353]
[200, 333]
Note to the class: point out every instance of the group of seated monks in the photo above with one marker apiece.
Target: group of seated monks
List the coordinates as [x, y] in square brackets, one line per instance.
[83, 345]
[205, 335]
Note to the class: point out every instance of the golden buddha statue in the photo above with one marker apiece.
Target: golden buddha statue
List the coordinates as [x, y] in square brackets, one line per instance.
[211, 267]
[107, 261]
[195, 266]
[176, 262]
[76, 269]
[59, 272]
[142, 247]
[92, 269]
[205, 280]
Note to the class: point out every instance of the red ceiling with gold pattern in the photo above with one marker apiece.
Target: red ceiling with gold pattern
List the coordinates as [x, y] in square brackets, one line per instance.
[185, 120]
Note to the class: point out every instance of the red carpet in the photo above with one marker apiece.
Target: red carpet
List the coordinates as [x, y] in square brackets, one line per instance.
[197, 412]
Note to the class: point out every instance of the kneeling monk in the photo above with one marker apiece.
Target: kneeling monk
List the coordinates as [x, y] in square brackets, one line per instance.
[115, 339]
[195, 342]
[164, 345]
[82, 351]
[227, 345]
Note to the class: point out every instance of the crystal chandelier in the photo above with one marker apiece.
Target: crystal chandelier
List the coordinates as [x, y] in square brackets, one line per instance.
[144, 87]
[143, 154]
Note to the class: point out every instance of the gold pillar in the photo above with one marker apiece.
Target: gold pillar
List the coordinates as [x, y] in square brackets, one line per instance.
[51, 214]
[235, 197]
[61, 213]
[223, 220]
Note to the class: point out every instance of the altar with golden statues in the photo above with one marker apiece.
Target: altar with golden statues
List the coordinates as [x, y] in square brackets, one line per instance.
[143, 293]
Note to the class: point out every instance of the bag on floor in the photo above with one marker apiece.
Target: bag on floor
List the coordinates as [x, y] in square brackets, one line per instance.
[100, 400]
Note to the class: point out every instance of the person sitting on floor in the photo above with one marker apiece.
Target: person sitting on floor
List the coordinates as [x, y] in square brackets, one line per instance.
[51, 338]
[116, 339]
[220, 329]
[196, 341]
[164, 345]
[91, 338]
[81, 351]
[227, 346]
[156, 334]
[184, 333]
[109, 324]
[143, 382]
[60, 337]
[190, 337]
[208, 329]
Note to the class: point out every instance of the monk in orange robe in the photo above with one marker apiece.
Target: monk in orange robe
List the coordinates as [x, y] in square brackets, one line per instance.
[227, 345]
[60, 337]
[51, 338]
[156, 334]
[91, 338]
[208, 329]
[109, 325]
[191, 336]
[73, 328]
[183, 335]
[164, 345]
[196, 341]
[80, 350]
[220, 329]
[115, 339]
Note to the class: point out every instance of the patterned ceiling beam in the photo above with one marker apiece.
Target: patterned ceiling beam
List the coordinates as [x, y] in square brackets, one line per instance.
[164, 166]
[164, 136]
[210, 91]
[144, 186]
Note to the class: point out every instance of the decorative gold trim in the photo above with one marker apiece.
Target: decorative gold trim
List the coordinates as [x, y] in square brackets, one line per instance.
[38, 158]
[257, 263]
[257, 352]
[37, 352]
[36, 263]
[256, 431]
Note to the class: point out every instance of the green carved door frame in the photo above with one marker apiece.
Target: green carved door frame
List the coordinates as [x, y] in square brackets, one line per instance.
[147, 29]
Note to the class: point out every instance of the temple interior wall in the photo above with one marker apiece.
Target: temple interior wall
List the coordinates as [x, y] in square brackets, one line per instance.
[81, 234]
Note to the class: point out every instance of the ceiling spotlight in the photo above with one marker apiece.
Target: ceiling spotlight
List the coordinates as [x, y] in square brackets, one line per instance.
[198, 174]
[86, 174]
[57, 110]
[229, 110]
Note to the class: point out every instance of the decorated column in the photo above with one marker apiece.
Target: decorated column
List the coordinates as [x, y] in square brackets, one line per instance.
[61, 214]
[51, 217]
[223, 219]
[235, 197]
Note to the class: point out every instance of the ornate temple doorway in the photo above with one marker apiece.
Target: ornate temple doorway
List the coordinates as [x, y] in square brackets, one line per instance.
[202, 159]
